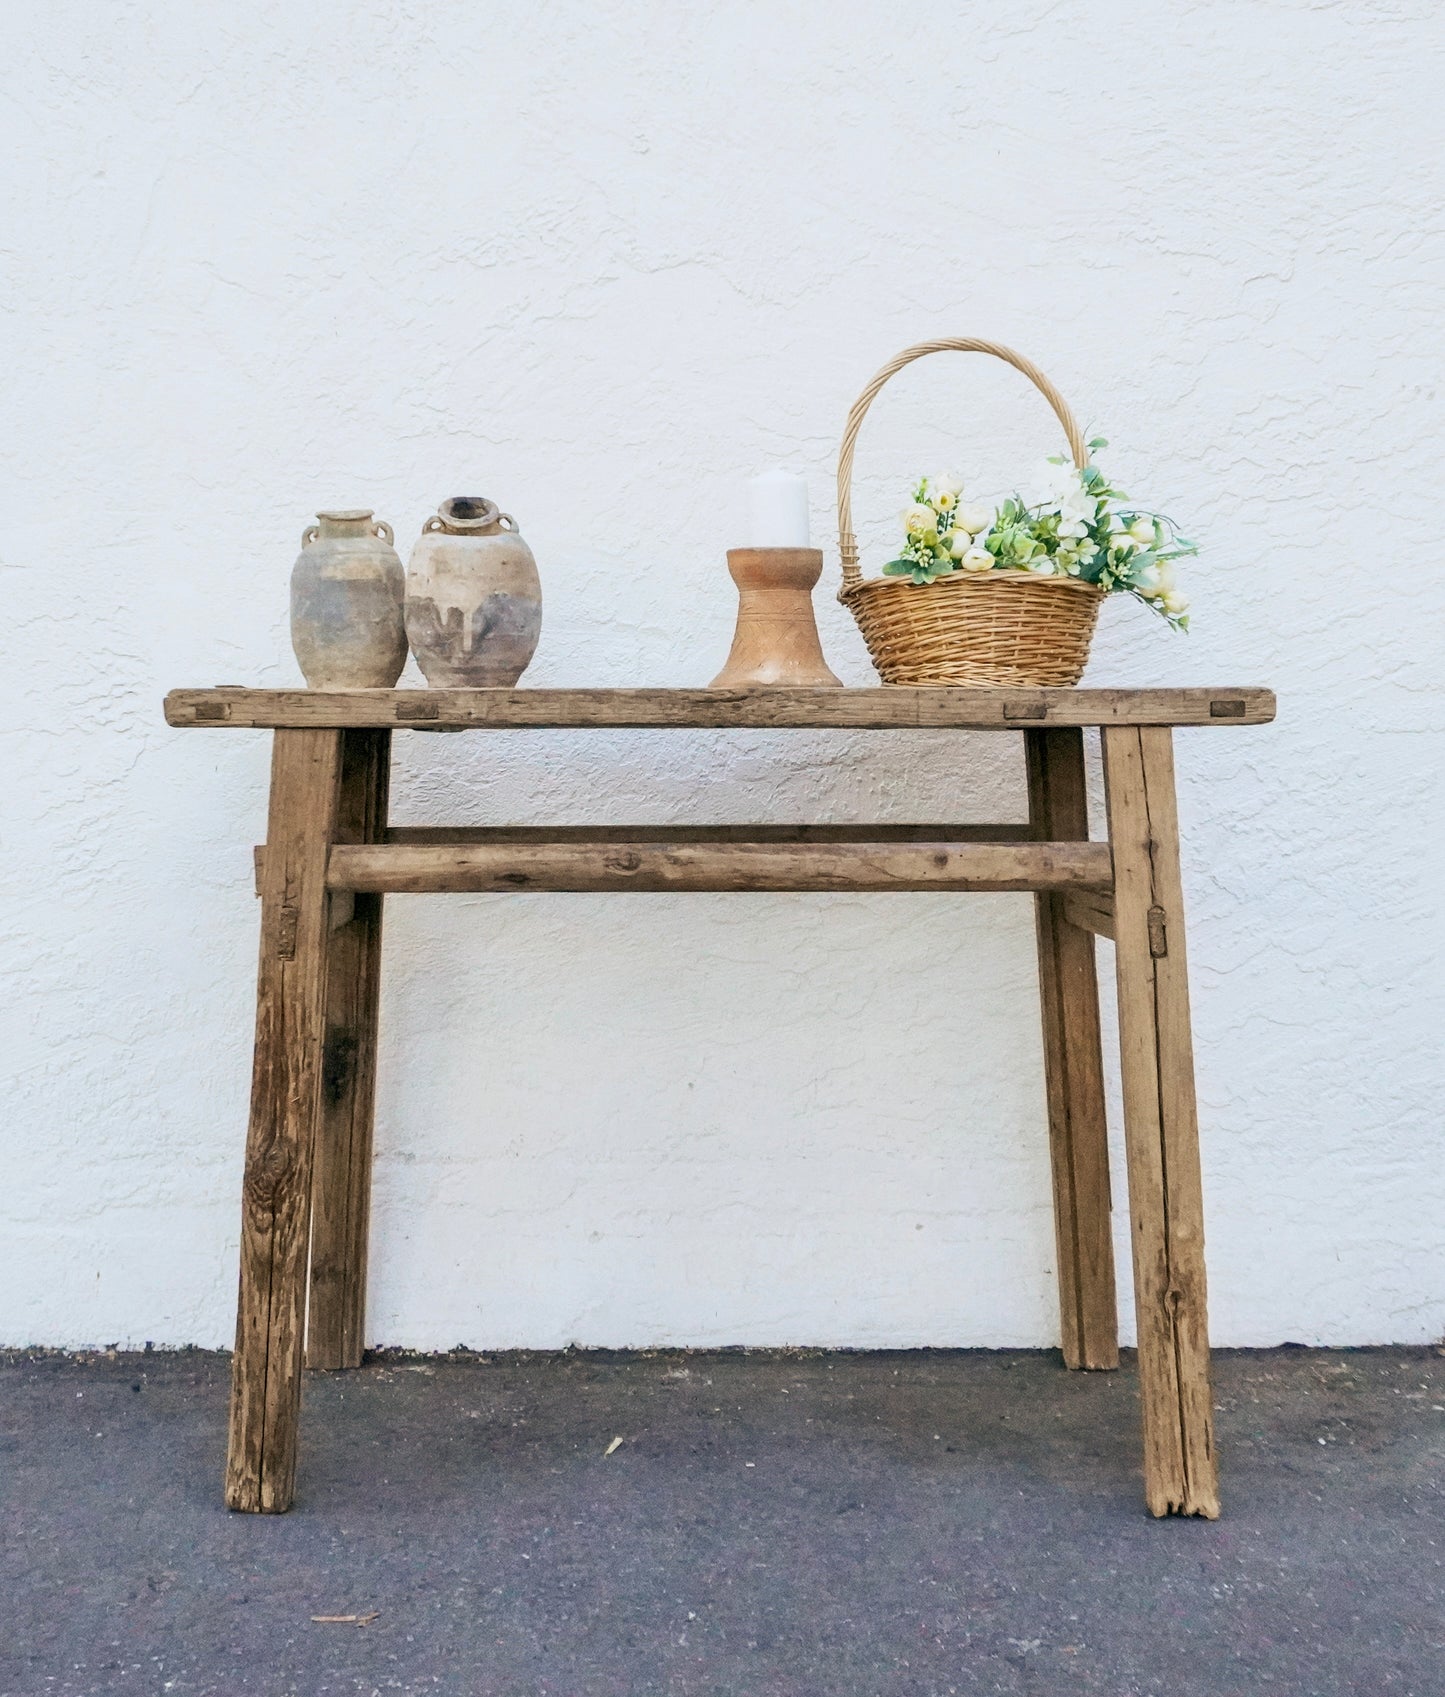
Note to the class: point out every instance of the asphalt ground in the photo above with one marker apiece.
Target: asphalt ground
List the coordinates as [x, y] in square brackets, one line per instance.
[790, 1523]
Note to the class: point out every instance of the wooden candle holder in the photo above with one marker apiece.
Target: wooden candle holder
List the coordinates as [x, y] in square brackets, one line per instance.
[776, 640]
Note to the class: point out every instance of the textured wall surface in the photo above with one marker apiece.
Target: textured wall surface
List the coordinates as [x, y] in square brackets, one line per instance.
[605, 263]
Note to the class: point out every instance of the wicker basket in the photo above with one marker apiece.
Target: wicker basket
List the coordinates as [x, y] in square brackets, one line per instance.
[969, 628]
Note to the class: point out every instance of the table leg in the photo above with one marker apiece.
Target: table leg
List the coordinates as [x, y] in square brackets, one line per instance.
[341, 1180]
[1073, 1067]
[285, 1099]
[1161, 1127]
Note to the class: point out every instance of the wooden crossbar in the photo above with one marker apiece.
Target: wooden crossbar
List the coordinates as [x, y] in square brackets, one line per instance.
[787, 833]
[725, 866]
[483, 835]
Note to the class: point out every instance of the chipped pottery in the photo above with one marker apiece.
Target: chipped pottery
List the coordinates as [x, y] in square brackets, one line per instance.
[473, 598]
[347, 588]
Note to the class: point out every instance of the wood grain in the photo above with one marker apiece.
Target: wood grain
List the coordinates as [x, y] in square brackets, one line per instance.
[285, 1095]
[707, 834]
[1091, 911]
[776, 639]
[1073, 1067]
[482, 835]
[645, 866]
[760, 708]
[1166, 1203]
[341, 1182]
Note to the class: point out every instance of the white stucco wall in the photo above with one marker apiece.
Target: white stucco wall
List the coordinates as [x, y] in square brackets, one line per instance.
[604, 263]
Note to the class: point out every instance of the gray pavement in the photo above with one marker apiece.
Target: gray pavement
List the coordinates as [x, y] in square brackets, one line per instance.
[772, 1524]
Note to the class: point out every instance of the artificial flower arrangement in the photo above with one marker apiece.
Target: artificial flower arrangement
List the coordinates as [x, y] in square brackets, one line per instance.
[1081, 527]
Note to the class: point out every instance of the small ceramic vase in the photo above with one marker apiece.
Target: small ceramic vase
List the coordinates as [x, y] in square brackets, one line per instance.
[347, 590]
[473, 598]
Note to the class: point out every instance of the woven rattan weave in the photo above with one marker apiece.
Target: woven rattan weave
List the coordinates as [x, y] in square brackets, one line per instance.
[968, 628]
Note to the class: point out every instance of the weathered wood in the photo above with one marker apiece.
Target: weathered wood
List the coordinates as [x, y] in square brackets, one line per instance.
[707, 834]
[341, 1183]
[1166, 1203]
[1091, 911]
[891, 708]
[330, 855]
[1073, 1067]
[643, 866]
[497, 834]
[340, 909]
[285, 1095]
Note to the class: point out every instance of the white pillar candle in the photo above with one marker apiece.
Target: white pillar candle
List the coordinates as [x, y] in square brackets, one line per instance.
[778, 511]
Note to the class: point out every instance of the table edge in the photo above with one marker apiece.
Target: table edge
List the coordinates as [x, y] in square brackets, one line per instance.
[890, 707]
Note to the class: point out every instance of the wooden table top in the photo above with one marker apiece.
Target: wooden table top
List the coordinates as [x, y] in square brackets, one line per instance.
[890, 708]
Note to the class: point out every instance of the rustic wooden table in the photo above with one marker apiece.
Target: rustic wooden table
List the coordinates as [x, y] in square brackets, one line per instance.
[330, 856]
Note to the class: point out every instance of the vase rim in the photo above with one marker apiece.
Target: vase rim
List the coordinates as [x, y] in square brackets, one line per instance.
[469, 512]
[345, 515]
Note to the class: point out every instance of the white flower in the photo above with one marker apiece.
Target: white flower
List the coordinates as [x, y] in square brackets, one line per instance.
[1161, 575]
[973, 517]
[1122, 543]
[1142, 530]
[918, 518]
[1147, 581]
[1042, 567]
[976, 560]
[958, 543]
[1055, 483]
[944, 500]
[946, 483]
[1175, 603]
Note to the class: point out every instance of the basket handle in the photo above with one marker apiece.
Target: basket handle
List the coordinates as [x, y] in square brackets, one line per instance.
[847, 542]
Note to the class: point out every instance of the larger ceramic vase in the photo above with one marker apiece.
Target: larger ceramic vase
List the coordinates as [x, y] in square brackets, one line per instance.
[347, 590]
[473, 597]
